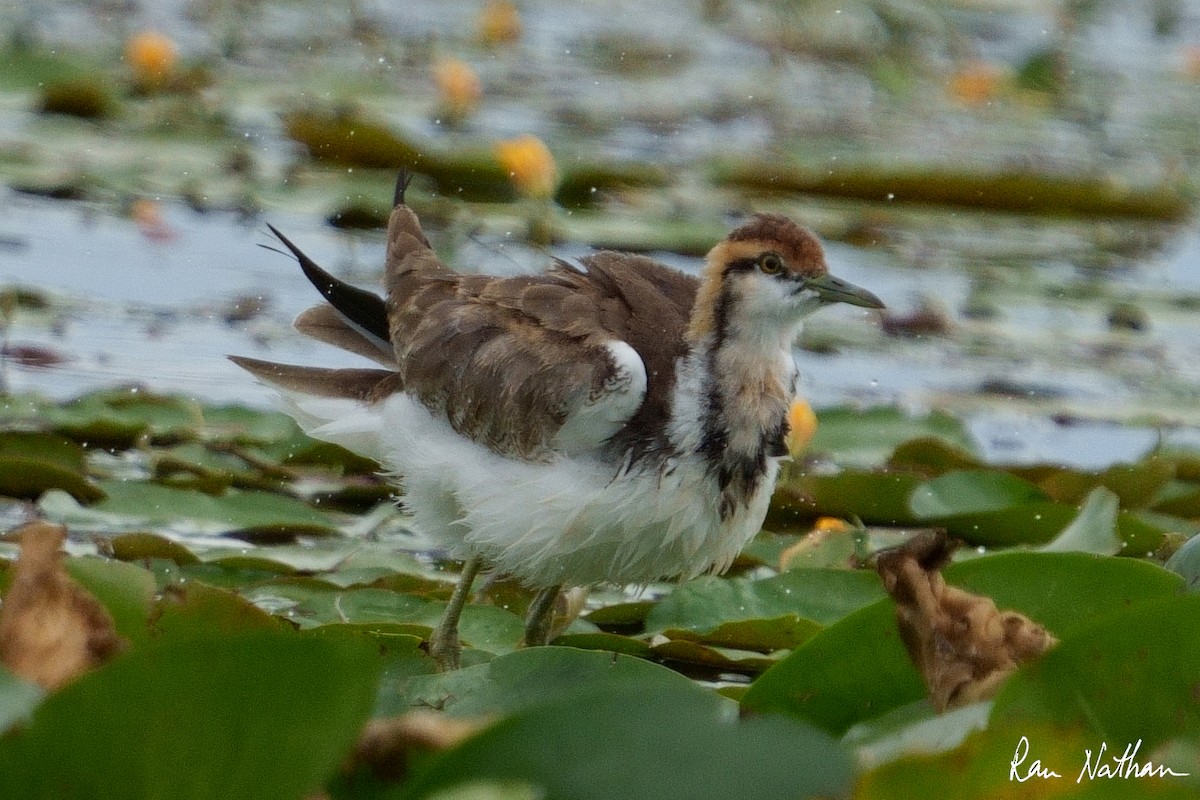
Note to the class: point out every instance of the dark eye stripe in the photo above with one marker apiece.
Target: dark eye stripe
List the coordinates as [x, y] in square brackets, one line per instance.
[742, 265]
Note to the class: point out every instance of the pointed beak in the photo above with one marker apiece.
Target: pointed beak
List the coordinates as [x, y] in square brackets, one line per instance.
[835, 290]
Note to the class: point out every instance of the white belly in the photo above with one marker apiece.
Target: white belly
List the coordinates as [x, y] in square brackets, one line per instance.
[574, 521]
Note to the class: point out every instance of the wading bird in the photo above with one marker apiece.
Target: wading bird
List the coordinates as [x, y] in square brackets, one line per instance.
[609, 421]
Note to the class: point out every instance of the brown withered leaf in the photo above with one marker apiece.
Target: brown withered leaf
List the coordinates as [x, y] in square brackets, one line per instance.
[384, 745]
[51, 629]
[963, 646]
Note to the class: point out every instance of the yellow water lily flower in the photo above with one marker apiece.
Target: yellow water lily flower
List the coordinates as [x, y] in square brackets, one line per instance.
[529, 165]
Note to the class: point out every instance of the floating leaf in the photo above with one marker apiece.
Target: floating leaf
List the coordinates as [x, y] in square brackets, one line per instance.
[972, 492]
[309, 603]
[865, 438]
[117, 418]
[644, 741]
[140, 546]
[126, 590]
[149, 504]
[931, 457]
[876, 498]
[621, 615]
[1136, 485]
[606, 642]
[857, 668]
[18, 698]
[1056, 713]
[790, 607]
[1181, 499]
[525, 678]
[1186, 563]
[184, 717]
[1139, 650]
[31, 462]
[1094, 530]
[915, 728]
[714, 658]
[764, 635]
[193, 608]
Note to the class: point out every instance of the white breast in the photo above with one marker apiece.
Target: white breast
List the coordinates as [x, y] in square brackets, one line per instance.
[576, 520]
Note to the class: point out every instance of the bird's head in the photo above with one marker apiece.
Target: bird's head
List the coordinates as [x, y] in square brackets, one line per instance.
[769, 273]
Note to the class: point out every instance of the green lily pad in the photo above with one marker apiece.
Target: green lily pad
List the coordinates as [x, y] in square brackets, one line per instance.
[1094, 530]
[915, 728]
[31, 462]
[1181, 499]
[1127, 659]
[876, 498]
[860, 438]
[713, 658]
[643, 741]
[118, 418]
[400, 657]
[972, 492]
[150, 504]
[1060, 709]
[857, 668]
[248, 426]
[1186, 563]
[622, 615]
[140, 546]
[18, 699]
[789, 608]
[309, 603]
[764, 635]
[1137, 485]
[193, 608]
[126, 590]
[606, 642]
[931, 456]
[524, 678]
[186, 716]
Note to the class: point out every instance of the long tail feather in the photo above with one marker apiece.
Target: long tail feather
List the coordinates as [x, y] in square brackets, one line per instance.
[326, 324]
[363, 385]
[363, 310]
[402, 180]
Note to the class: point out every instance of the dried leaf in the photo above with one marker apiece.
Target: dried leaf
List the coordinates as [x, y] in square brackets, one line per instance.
[963, 646]
[385, 744]
[51, 629]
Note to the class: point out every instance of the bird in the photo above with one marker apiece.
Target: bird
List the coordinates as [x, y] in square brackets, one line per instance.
[611, 420]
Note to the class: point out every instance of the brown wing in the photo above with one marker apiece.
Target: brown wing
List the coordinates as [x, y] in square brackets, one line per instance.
[526, 365]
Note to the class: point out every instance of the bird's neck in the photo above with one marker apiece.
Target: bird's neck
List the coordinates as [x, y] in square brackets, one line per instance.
[733, 400]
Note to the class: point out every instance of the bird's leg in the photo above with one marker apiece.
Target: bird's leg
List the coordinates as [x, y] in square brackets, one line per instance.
[540, 615]
[443, 644]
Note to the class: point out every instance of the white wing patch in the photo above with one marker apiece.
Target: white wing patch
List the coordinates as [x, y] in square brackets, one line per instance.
[597, 419]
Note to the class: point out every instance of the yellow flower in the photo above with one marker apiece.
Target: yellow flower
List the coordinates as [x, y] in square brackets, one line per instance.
[529, 165]
[458, 86]
[151, 56]
[499, 22]
[802, 424]
[976, 83]
[831, 525]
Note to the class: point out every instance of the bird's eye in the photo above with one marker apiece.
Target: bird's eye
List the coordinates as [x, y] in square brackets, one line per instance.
[770, 263]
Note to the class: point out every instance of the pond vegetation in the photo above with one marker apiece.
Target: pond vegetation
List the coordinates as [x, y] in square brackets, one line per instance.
[1017, 182]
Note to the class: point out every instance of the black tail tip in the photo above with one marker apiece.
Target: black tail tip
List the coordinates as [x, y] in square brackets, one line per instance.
[402, 180]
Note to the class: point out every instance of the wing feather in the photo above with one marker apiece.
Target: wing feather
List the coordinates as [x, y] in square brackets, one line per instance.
[568, 354]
